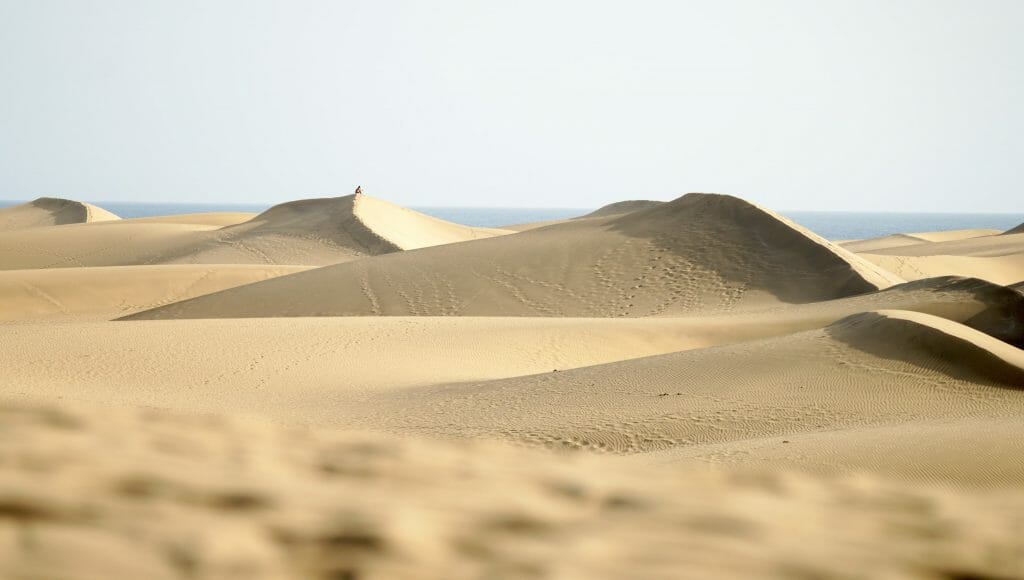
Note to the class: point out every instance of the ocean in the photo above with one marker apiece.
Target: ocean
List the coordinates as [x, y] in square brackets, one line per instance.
[830, 225]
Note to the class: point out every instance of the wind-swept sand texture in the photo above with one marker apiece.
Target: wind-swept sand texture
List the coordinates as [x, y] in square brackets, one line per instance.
[50, 211]
[307, 232]
[699, 253]
[103, 293]
[214, 497]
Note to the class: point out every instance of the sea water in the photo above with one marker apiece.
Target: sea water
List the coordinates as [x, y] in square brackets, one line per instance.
[830, 225]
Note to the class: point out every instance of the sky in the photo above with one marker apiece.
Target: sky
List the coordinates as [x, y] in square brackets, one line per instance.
[866, 105]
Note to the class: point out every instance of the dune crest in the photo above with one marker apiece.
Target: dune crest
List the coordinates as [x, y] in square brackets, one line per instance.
[1017, 230]
[358, 222]
[51, 211]
[622, 207]
[699, 253]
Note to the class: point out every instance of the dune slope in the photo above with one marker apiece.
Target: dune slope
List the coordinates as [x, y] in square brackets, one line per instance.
[699, 253]
[355, 226]
[916, 372]
[50, 211]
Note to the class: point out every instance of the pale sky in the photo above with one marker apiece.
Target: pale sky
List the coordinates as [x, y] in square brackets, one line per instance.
[912, 105]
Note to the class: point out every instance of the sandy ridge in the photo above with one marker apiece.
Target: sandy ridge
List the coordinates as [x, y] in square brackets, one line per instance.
[702, 252]
[304, 232]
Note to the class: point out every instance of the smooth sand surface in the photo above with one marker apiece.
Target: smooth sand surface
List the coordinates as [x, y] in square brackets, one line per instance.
[103, 293]
[700, 253]
[1007, 269]
[903, 240]
[50, 211]
[698, 388]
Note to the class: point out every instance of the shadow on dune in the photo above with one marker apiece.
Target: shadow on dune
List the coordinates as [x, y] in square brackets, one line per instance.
[933, 343]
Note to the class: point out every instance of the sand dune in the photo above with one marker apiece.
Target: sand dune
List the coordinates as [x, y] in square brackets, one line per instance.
[882, 243]
[979, 247]
[967, 353]
[355, 226]
[216, 497]
[692, 355]
[297, 358]
[307, 232]
[1007, 269]
[544, 381]
[623, 207]
[103, 293]
[998, 258]
[789, 390]
[700, 253]
[1017, 230]
[902, 240]
[50, 211]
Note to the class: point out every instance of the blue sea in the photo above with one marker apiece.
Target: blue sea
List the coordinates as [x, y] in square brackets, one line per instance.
[830, 225]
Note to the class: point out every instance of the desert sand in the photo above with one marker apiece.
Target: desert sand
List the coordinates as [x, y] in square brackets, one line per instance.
[994, 256]
[344, 388]
[308, 232]
[50, 211]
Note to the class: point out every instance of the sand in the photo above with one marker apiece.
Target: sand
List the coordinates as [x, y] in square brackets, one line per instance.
[343, 388]
[50, 211]
[103, 293]
[213, 497]
[307, 232]
[903, 240]
[989, 255]
[702, 252]
[623, 207]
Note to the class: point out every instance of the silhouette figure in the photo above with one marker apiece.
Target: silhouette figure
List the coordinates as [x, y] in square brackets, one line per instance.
[359, 189]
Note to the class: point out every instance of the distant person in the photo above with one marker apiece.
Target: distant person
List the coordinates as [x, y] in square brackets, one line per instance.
[359, 189]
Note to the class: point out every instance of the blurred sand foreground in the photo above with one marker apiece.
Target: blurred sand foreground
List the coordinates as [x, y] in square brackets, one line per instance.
[344, 388]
